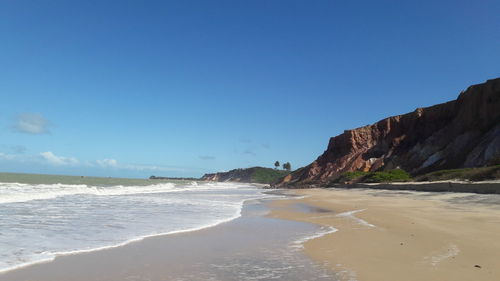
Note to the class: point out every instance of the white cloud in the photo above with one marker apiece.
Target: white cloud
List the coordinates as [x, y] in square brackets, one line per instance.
[107, 163]
[19, 157]
[112, 163]
[31, 123]
[152, 168]
[48, 157]
[7, 156]
[53, 159]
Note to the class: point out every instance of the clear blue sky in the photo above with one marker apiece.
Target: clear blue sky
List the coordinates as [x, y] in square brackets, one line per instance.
[180, 88]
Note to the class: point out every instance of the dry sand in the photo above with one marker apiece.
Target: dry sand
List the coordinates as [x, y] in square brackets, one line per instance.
[381, 235]
[402, 235]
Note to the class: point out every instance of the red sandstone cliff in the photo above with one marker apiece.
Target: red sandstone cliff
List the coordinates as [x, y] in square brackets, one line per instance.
[460, 133]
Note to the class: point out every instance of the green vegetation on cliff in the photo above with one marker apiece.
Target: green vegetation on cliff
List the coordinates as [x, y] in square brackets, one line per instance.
[396, 175]
[267, 175]
[251, 175]
[472, 174]
[349, 176]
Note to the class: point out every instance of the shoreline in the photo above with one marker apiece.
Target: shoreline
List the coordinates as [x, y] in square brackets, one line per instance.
[401, 235]
[20, 250]
[224, 250]
[122, 244]
[136, 239]
[335, 234]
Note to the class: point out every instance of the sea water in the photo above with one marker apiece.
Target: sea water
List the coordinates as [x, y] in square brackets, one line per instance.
[48, 216]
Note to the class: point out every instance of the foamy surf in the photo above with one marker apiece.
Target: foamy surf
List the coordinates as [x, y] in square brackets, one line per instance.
[20, 192]
[449, 251]
[43, 221]
[350, 214]
[322, 231]
[47, 257]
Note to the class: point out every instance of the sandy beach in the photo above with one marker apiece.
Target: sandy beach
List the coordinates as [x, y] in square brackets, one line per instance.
[317, 234]
[401, 235]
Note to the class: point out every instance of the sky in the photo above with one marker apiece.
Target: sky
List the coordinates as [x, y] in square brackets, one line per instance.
[182, 88]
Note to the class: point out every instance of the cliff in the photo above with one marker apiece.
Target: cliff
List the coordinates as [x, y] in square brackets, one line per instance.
[461, 133]
[249, 175]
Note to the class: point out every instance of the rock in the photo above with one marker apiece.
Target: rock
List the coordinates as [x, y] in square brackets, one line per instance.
[461, 133]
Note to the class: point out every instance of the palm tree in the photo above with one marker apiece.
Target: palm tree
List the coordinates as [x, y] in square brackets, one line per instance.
[287, 166]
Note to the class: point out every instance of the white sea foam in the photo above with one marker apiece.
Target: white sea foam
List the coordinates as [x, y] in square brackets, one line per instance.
[48, 256]
[322, 231]
[435, 258]
[19, 192]
[350, 214]
[40, 222]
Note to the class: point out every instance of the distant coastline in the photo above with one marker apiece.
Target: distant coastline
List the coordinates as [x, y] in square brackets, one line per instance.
[256, 174]
[173, 178]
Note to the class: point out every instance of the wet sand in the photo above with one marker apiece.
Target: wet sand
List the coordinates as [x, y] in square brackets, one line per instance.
[252, 247]
[401, 235]
[327, 234]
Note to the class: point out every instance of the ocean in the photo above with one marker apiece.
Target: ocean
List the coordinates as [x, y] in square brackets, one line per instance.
[42, 216]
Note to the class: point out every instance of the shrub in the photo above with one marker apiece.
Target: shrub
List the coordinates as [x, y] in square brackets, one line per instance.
[385, 176]
[266, 175]
[388, 176]
[474, 174]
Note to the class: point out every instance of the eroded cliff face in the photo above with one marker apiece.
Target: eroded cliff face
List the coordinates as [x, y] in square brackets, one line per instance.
[460, 133]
